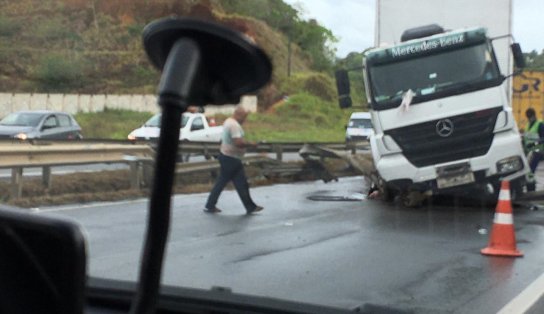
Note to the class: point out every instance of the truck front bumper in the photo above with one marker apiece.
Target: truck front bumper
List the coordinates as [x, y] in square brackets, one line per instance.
[505, 158]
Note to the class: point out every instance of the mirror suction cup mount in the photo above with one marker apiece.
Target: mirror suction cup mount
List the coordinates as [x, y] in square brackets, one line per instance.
[201, 63]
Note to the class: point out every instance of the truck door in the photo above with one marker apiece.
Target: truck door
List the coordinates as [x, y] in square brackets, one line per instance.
[198, 132]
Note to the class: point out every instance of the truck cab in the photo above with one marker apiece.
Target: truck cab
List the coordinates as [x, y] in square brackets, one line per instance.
[442, 123]
[441, 116]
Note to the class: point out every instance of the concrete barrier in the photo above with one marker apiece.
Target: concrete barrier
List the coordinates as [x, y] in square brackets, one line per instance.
[74, 103]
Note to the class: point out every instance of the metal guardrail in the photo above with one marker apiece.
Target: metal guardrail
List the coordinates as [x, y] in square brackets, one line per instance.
[212, 149]
[17, 155]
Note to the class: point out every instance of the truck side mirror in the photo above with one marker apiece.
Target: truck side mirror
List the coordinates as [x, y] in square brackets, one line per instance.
[342, 86]
[519, 59]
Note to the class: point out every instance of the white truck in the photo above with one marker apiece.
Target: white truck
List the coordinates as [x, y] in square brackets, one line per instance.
[359, 127]
[440, 108]
[194, 127]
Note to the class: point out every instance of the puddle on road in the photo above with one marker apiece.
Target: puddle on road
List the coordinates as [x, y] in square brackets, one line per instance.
[355, 197]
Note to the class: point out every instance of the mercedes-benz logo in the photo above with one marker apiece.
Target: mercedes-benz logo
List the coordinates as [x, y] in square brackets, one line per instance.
[444, 127]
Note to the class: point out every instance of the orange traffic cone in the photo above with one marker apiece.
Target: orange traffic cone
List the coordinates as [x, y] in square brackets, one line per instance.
[503, 239]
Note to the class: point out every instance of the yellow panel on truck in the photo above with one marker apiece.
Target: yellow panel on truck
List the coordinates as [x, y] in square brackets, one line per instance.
[528, 92]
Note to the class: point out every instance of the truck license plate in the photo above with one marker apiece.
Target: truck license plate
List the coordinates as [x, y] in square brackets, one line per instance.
[454, 175]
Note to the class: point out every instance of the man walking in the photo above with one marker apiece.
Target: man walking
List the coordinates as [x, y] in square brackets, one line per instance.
[233, 148]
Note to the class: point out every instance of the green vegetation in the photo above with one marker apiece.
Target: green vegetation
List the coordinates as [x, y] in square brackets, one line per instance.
[111, 123]
[302, 118]
[9, 26]
[535, 61]
[317, 84]
[57, 73]
[313, 39]
[95, 47]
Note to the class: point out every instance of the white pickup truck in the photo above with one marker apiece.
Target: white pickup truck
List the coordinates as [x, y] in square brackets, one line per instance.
[194, 127]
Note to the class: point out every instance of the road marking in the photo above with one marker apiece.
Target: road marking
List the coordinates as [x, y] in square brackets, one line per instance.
[82, 206]
[526, 299]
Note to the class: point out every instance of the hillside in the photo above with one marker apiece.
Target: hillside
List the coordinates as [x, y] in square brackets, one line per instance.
[83, 46]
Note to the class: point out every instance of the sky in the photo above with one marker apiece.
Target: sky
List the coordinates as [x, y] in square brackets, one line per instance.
[352, 22]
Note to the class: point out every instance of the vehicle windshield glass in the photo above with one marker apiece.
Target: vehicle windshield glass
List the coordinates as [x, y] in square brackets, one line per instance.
[429, 74]
[278, 193]
[22, 119]
[155, 121]
[360, 123]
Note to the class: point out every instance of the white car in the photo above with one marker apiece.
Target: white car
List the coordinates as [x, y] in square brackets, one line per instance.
[359, 127]
[194, 127]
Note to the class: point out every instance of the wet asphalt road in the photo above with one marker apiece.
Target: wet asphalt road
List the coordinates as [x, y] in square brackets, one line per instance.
[344, 253]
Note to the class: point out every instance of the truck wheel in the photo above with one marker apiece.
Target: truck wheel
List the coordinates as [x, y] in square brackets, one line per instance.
[411, 199]
[387, 194]
[531, 186]
[516, 189]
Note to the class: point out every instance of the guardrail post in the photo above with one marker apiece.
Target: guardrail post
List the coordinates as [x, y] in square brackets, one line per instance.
[352, 147]
[278, 149]
[46, 176]
[134, 174]
[16, 182]
[207, 155]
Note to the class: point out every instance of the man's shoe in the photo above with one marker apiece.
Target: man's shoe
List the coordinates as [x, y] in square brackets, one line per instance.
[214, 210]
[256, 209]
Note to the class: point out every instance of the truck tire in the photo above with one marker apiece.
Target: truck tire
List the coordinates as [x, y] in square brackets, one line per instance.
[387, 193]
[411, 199]
[516, 189]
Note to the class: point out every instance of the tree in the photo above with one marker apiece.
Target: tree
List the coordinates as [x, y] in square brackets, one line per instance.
[535, 61]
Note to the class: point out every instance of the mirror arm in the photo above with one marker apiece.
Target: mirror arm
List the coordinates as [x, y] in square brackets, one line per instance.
[174, 88]
[515, 73]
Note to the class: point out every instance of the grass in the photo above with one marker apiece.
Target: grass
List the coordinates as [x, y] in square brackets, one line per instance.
[302, 118]
[111, 123]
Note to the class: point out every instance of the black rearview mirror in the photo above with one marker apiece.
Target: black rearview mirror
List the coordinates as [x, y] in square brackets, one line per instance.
[519, 59]
[42, 264]
[343, 88]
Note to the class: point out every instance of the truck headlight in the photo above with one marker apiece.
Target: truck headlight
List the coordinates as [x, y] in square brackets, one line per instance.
[131, 137]
[510, 164]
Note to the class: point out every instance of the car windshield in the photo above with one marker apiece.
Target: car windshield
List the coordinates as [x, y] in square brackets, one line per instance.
[360, 123]
[279, 194]
[430, 74]
[22, 119]
[155, 121]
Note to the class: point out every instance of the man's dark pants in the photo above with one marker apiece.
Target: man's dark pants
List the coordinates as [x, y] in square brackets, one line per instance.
[232, 169]
[534, 160]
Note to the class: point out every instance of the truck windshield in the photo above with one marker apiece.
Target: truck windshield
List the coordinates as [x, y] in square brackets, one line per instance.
[432, 75]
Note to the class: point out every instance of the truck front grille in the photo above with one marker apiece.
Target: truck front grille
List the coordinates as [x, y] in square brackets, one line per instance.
[471, 137]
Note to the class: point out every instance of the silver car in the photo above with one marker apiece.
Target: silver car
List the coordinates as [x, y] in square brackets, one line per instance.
[41, 124]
